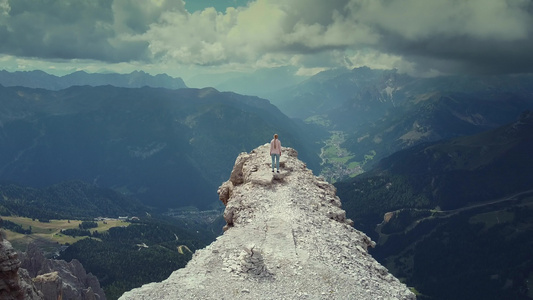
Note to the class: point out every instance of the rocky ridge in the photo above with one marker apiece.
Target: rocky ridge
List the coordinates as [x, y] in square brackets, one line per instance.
[286, 237]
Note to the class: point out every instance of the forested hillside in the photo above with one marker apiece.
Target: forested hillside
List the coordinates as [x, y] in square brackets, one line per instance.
[449, 174]
[168, 148]
[455, 213]
[67, 200]
[123, 257]
[127, 257]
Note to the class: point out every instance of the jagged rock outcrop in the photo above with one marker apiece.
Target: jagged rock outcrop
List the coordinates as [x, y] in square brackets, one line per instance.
[15, 282]
[58, 279]
[31, 276]
[50, 284]
[286, 238]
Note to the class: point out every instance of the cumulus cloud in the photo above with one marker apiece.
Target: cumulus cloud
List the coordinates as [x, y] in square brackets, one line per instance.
[416, 36]
[263, 31]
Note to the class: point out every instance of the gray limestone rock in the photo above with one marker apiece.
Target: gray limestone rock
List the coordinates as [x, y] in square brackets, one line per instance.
[58, 277]
[15, 282]
[28, 287]
[50, 285]
[286, 237]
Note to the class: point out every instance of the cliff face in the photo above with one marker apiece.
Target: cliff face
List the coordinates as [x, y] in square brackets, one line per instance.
[15, 282]
[58, 278]
[31, 276]
[286, 238]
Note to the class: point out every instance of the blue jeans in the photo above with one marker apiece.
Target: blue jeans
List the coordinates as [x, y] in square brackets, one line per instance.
[275, 161]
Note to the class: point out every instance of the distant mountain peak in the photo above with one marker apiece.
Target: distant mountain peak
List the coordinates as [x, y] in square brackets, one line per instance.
[285, 233]
[77, 72]
[135, 79]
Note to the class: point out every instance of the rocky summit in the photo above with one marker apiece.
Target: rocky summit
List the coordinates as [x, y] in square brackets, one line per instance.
[286, 237]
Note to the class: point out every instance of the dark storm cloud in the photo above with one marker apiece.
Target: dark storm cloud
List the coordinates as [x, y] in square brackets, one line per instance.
[465, 55]
[454, 36]
[81, 29]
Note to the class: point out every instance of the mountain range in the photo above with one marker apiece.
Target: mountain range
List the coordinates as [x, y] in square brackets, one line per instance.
[169, 148]
[377, 112]
[380, 112]
[40, 79]
[445, 161]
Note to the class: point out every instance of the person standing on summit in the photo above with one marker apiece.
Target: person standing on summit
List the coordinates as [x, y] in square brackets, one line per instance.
[275, 151]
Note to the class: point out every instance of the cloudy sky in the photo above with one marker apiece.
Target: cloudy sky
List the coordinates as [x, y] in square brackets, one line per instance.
[184, 38]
